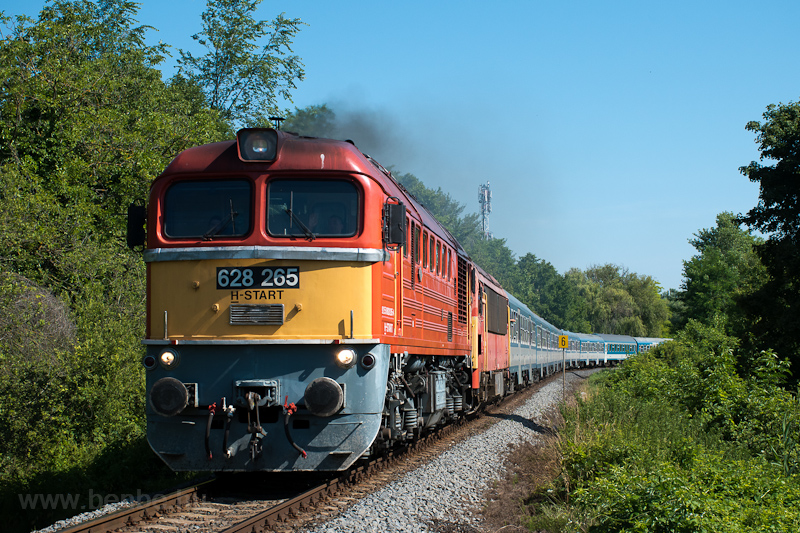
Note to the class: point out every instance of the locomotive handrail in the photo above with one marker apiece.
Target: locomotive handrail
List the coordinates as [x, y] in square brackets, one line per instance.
[310, 253]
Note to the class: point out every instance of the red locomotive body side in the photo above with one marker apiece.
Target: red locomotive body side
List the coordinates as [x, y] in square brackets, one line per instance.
[419, 285]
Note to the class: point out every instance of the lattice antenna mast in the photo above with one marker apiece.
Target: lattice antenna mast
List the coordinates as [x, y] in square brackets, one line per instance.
[485, 199]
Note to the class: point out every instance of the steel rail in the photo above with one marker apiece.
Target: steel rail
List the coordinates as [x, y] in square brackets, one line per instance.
[138, 513]
[265, 520]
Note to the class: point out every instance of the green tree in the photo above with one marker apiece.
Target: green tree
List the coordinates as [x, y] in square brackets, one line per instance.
[778, 209]
[495, 258]
[772, 309]
[651, 308]
[622, 302]
[725, 269]
[677, 310]
[312, 121]
[242, 78]
[578, 294]
[85, 119]
[86, 123]
[539, 286]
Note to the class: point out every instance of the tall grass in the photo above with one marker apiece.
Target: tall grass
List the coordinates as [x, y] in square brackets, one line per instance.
[648, 450]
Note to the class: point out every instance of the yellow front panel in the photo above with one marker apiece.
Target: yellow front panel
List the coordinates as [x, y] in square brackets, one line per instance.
[318, 309]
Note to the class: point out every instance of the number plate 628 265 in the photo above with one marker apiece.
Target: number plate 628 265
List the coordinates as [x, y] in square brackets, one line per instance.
[258, 277]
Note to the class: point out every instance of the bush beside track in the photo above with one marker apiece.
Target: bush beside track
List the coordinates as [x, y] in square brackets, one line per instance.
[673, 440]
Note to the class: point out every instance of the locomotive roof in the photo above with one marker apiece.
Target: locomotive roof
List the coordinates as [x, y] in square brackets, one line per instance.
[299, 153]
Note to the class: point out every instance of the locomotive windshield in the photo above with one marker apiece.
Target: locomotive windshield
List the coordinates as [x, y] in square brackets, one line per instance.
[312, 208]
[207, 209]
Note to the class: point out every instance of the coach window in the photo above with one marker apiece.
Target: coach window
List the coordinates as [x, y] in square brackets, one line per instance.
[312, 208]
[208, 209]
[438, 258]
[514, 326]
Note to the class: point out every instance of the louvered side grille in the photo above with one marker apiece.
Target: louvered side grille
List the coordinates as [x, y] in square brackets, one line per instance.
[461, 290]
[449, 327]
[256, 315]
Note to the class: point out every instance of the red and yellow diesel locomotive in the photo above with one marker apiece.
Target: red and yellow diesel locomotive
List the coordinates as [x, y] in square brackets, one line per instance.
[304, 310]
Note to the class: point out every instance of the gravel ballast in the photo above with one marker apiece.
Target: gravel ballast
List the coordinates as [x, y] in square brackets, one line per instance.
[445, 489]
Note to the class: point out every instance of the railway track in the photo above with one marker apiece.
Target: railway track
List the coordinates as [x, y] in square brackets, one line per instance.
[197, 509]
[200, 510]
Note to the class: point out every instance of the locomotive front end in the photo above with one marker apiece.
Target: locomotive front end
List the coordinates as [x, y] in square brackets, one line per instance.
[262, 266]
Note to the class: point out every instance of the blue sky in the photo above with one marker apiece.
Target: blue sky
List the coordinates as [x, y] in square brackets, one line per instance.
[610, 132]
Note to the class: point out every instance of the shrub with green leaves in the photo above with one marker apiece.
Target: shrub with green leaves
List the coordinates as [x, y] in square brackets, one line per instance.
[676, 440]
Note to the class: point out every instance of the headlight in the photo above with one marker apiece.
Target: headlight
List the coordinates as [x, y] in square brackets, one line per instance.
[169, 359]
[346, 358]
[257, 144]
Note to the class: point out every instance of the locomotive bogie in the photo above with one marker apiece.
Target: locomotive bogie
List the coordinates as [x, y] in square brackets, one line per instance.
[422, 393]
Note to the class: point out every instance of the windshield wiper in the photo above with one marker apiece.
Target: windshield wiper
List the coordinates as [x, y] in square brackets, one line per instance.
[310, 234]
[221, 224]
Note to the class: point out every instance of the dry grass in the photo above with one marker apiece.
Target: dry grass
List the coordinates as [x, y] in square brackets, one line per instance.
[522, 500]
